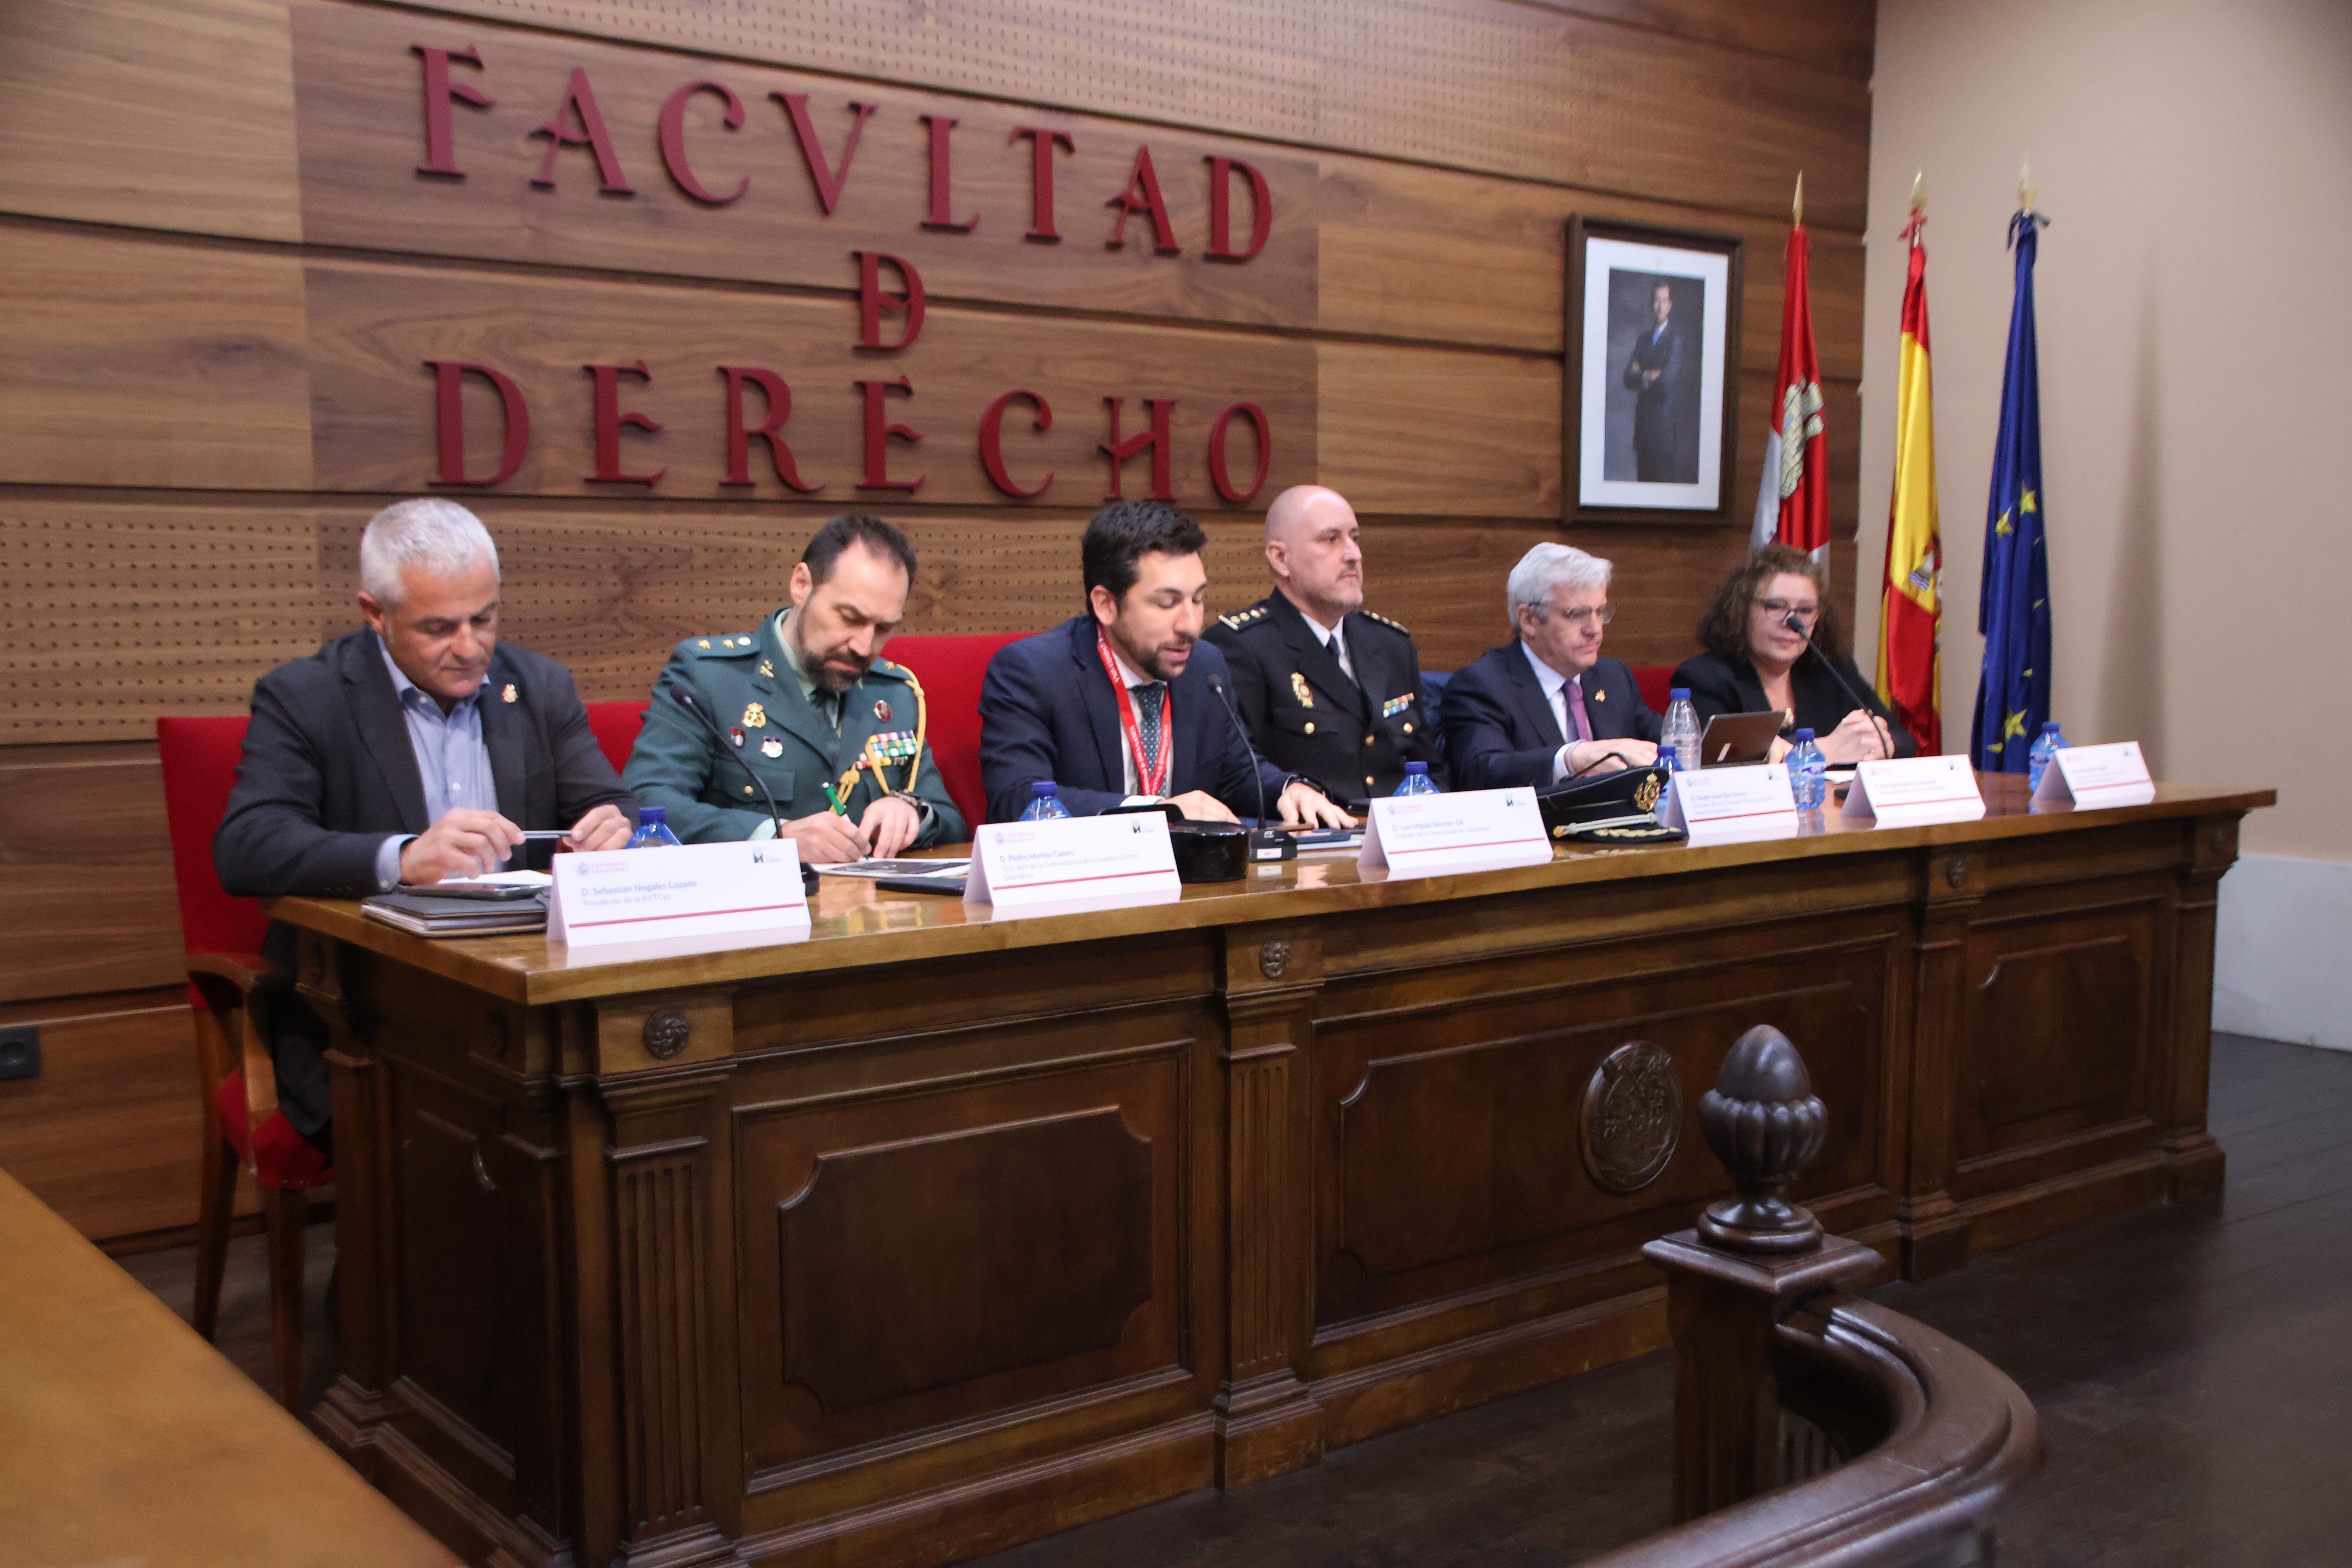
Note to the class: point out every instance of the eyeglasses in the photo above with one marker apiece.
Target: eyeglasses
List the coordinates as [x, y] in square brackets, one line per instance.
[1590, 614]
[1781, 609]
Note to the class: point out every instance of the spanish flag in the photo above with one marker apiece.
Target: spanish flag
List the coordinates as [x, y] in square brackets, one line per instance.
[1910, 603]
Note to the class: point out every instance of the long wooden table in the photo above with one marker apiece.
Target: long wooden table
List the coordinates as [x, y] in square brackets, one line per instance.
[938, 1230]
[126, 1440]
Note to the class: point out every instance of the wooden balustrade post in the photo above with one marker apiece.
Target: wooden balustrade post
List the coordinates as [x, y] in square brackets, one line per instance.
[1752, 1259]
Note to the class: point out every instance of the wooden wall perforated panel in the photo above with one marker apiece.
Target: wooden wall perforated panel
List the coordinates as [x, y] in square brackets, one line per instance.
[220, 275]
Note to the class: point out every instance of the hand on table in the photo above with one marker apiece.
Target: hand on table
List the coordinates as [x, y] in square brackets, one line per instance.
[1590, 757]
[464, 843]
[1304, 806]
[1859, 738]
[891, 825]
[605, 828]
[1199, 805]
[827, 836]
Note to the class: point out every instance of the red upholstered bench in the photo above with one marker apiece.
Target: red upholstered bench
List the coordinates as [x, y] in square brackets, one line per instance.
[615, 725]
[230, 985]
[1654, 682]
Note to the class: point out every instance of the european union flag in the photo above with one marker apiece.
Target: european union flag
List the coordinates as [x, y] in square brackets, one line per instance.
[2014, 605]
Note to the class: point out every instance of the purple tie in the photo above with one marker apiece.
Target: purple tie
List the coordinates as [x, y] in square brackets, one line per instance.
[1575, 695]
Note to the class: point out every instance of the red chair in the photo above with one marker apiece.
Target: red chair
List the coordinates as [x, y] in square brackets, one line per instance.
[951, 669]
[230, 988]
[617, 725]
[1654, 681]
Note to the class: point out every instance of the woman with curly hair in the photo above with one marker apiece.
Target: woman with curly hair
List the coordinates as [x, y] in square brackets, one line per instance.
[1756, 660]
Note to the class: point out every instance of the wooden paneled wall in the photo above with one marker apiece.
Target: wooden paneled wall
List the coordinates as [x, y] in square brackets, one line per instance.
[220, 274]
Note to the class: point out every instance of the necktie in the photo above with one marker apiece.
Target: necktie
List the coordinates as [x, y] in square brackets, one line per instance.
[1581, 727]
[1147, 711]
[1340, 652]
[828, 707]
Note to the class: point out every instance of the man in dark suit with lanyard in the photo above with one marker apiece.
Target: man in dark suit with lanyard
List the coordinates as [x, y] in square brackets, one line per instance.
[1328, 690]
[1547, 707]
[1117, 706]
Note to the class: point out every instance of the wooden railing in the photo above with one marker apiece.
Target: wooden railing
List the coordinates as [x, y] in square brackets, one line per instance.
[1810, 1426]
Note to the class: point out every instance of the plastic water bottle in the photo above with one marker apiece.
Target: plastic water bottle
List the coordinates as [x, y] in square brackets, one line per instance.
[652, 830]
[1681, 729]
[1417, 781]
[1809, 773]
[1044, 803]
[1668, 761]
[2045, 746]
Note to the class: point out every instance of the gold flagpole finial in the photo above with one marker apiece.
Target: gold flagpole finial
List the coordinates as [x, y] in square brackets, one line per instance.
[1919, 192]
[1797, 207]
[2026, 190]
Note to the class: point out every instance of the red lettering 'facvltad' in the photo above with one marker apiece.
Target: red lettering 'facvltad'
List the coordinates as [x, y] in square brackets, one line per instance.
[1156, 438]
[740, 437]
[1219, 474]
[579, 103]
[1220, 210]
[609, 420]
[991, 444]
[872, 301]
[1041, 144]
[673, 140]
[942, 208]
[878, 432]
[1142, 196]
[828, 178]
[440, 135]
[450, 423]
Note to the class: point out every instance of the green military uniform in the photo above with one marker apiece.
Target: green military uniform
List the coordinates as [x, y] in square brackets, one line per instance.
[1351, 737]
[753, 688]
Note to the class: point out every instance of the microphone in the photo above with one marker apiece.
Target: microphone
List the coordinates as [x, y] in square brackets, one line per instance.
[1266, 842]
[685, 700]
[1885, 737]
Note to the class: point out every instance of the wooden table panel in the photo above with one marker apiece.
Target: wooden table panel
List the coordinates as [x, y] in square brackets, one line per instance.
[938, 1230]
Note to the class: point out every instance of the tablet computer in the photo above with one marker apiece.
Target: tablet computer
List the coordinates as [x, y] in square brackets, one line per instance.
[1735, 737]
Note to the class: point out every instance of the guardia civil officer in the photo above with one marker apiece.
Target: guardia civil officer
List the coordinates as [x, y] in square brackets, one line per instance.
[803, 703]
[1328, 690]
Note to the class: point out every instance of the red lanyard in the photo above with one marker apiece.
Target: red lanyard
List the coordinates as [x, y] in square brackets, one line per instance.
[1150, 777]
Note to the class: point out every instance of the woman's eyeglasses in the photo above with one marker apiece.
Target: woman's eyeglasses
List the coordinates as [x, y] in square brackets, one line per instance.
[1782, 609]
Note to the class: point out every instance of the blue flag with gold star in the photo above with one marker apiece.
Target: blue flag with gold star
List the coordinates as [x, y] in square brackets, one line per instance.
[2013, 603]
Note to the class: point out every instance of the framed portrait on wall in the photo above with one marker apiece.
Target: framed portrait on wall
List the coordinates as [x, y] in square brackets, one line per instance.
[1652, 387]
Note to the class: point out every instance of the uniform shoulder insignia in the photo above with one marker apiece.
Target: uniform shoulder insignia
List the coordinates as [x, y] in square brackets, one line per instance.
[733, 646]
[1241, 619]
[888, 671]
[1393, 626]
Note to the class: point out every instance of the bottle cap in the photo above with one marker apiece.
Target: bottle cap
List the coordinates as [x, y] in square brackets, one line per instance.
[1416, 767]
[1666, 753]
[1803, 736]
[2050, 726]
[1042, 786]
[653, 816]
[1678, 694]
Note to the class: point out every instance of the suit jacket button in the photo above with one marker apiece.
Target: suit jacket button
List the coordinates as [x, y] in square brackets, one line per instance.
[747, 789]
[1310, 729]
[1371, 740]
[1408, 729]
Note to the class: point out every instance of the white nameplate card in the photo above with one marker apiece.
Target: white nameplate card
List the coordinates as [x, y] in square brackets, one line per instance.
[1092, 859]
[1480, 828]
[699, 889]
[1911, 792]
[1723, 806]
[2092, 776]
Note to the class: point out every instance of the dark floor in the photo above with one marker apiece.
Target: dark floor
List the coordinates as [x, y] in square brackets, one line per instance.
[2192, 1367]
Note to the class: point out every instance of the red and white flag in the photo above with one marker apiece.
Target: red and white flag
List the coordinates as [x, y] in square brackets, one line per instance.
[1793, 498]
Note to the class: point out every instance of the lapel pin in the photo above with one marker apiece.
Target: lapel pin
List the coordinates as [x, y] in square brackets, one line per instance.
[508, 694]
[1298, 690]
[881, 711]
[1601, 697]
[754, 716]
[768, 667]
[736, 736]
[771, 747]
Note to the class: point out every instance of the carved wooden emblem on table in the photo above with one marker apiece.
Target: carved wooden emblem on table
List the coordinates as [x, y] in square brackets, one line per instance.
[1273, 958]
[666, 1033]
[1633, 1117]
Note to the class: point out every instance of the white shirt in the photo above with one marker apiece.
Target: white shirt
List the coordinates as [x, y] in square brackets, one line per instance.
[1555, 690]
[1129, 677]
[1333, 643]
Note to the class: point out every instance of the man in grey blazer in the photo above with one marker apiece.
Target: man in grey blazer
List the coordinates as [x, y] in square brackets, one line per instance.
[416, 749]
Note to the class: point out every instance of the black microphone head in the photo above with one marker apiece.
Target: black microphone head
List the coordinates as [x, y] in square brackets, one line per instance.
[684, 696]
[1217, 683]
[1790, 621]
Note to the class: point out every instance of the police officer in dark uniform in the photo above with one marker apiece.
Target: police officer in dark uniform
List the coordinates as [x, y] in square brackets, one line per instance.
[1327, 689]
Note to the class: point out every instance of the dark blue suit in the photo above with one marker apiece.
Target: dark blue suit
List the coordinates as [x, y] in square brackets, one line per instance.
[1047, 711]
[1500, 731]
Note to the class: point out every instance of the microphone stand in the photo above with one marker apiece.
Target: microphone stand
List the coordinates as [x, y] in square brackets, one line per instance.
[1266, 842]
[685, 700]
[1878, 725]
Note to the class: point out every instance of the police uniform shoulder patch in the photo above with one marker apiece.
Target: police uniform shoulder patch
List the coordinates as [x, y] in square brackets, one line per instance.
[737, 646]
[1393, 626]
[1241, 619]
